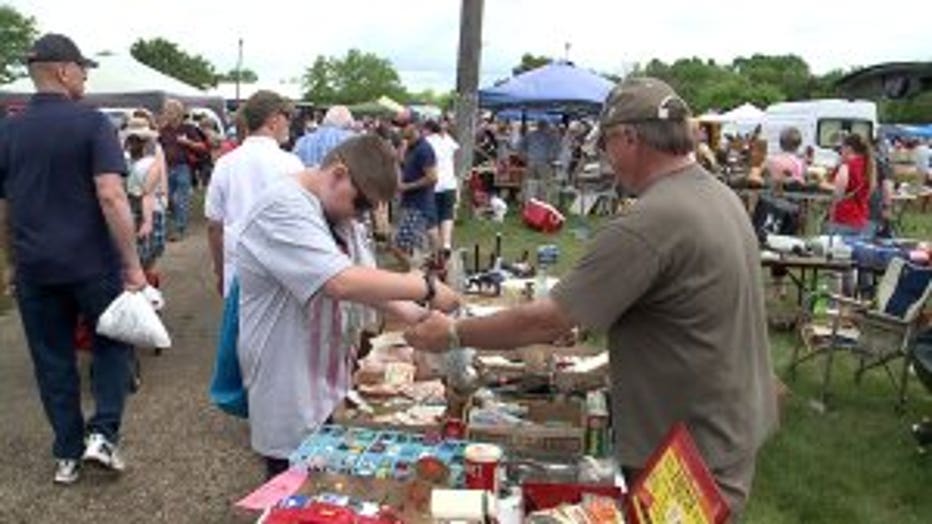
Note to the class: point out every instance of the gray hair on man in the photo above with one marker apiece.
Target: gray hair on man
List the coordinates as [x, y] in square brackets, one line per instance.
[339, 116]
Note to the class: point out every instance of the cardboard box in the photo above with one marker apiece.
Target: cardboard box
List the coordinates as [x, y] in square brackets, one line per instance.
[557, 429]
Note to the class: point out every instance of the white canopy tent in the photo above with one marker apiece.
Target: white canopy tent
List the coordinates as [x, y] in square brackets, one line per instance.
[121, 74]
[227, 90]
[122, 81]
[741, 120]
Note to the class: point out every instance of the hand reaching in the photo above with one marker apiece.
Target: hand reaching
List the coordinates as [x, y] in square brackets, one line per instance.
[446, 299]
[432, 334]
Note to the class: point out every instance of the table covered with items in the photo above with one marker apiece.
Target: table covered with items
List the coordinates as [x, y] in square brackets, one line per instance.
[481, 436]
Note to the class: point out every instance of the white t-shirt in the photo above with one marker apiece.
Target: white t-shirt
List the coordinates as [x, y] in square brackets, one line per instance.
[444, 149]
[923, 156]
[136, 178]
[238, 179]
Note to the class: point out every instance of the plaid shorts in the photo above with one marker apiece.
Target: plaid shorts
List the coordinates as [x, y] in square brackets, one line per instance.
[151, 248]
[412, 229]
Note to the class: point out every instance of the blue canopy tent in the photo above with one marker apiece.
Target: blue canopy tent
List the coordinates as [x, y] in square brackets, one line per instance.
[536, 115]
[906, 130]
[918, 131]
[559, 86]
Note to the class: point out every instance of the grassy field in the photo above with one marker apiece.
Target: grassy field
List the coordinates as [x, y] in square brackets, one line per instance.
[857, 463]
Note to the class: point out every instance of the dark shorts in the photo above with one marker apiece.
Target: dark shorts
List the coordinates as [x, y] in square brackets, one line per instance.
[446, 200]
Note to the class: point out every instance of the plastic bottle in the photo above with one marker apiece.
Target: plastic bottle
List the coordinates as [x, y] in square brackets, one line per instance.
[820, 305]
[547, 256]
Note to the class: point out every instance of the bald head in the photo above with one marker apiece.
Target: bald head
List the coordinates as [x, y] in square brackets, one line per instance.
[58, 77]
[339, 116]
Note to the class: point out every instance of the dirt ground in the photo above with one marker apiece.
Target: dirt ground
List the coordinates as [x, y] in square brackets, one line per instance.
[187, 462]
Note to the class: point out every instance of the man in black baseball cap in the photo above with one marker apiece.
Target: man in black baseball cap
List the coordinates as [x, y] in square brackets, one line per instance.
[66, 227]
[55, 63]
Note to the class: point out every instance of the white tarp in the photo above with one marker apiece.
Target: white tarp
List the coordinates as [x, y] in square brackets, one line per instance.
[120, 74]
[742, 119]
[227, 90]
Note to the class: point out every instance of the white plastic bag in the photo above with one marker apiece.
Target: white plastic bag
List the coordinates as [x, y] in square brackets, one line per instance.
[131, 318]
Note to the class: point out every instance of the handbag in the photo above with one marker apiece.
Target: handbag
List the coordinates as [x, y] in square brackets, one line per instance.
[226, 386]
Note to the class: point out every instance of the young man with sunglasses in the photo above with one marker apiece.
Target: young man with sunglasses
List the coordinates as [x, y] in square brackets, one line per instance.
[305, 272]
[243, 174]
[66, 226]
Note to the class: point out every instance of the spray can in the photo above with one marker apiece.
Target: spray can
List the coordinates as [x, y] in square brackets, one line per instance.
[598, 429]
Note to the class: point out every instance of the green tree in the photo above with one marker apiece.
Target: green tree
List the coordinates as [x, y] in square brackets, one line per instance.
[442, 100]
[165, 56]
[824, 86]
[357, 77]
[915, 110]
[246, 75]
[17, 32]
[787, 73]
[529, 62]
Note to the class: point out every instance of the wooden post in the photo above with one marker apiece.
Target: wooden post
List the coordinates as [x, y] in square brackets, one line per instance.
[467, 86]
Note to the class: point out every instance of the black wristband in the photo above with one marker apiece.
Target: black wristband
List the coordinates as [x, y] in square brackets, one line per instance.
[430, 281]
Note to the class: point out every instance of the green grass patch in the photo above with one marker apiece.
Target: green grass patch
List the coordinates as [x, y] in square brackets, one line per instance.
[855, 464]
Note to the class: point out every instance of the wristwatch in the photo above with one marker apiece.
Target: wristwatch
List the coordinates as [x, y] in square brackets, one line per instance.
[431, 281]
[453, 337]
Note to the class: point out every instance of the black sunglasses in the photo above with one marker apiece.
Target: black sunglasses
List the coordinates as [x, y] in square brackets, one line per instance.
[601, 142]
[360, 203]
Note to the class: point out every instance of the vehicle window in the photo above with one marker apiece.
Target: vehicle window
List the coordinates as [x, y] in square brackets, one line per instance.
[832, 130]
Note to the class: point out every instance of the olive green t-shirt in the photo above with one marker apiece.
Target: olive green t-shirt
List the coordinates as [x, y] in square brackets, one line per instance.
[675, 281]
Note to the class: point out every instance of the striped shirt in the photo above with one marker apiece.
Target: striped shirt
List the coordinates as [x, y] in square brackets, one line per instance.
[296, 344]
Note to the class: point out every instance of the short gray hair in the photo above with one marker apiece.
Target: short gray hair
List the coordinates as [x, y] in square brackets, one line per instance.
[674, 137]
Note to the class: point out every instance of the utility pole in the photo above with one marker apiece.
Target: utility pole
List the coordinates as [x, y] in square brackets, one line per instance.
[467, 84]
[239, 69]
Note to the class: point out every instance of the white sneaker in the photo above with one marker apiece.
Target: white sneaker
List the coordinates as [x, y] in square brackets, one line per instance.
[98, 450]
[67, 471]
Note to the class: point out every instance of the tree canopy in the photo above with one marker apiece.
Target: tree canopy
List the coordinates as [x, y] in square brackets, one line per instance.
[17, 32]
[759, 79]
[245, 75]
[530, 61]
[355, 78]
[167, 57]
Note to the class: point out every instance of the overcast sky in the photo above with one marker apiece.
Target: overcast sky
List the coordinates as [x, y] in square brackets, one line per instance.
[420, 37]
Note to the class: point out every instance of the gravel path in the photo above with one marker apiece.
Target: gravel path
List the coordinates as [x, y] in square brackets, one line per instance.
[187, 462]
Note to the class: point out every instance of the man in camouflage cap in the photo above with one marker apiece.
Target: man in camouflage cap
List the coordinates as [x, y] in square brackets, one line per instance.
[675, 282]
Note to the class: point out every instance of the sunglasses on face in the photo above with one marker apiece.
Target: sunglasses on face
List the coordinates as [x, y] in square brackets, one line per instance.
[601, 143]
[360, 203]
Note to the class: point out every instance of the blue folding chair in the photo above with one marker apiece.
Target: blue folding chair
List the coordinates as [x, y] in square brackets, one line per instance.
[876, 333]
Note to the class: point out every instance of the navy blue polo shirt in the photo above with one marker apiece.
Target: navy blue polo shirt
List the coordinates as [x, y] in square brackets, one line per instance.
[49, 156]
[418, 159]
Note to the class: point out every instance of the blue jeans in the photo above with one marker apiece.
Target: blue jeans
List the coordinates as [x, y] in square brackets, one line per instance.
[49, 315]
[179, 196]
[844, 230]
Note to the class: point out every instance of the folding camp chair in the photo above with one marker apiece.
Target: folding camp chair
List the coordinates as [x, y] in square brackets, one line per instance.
[876, 334]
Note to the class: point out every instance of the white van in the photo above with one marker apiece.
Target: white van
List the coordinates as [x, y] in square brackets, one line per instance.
[822, 124]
